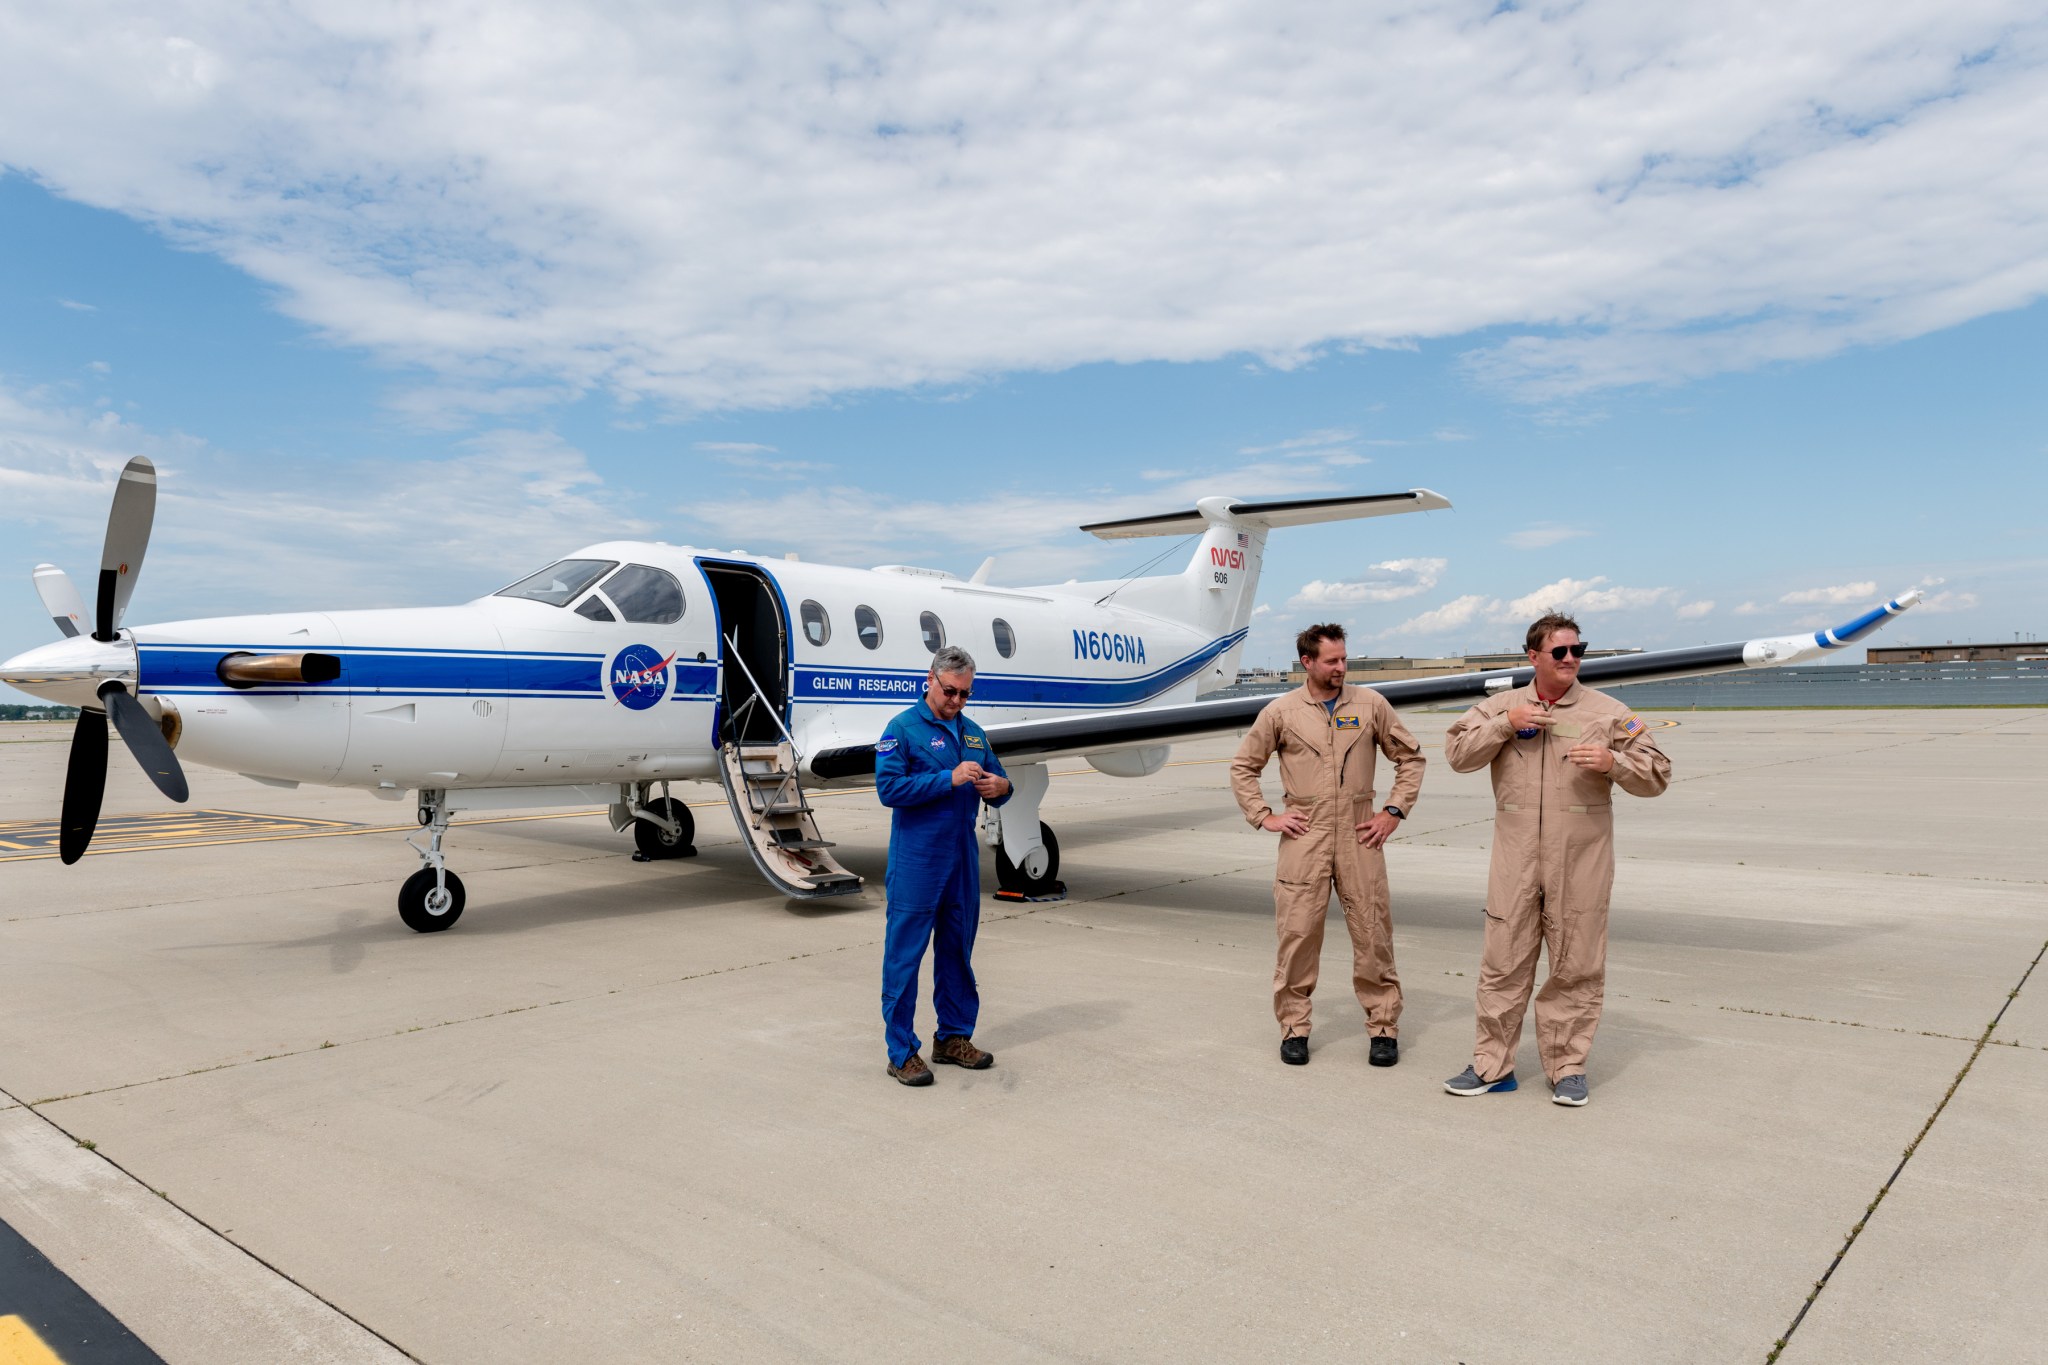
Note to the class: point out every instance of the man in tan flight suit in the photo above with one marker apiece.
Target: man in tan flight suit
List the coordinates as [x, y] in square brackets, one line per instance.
[1557, 751]
[1325, 732]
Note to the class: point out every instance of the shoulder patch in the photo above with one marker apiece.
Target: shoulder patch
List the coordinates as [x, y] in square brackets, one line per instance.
[1633, 725]
[886, 744]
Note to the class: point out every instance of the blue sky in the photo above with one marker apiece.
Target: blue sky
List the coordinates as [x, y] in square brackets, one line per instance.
[1701, 340]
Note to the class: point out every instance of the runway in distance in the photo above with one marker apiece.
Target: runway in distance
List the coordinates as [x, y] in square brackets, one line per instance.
[628, 666]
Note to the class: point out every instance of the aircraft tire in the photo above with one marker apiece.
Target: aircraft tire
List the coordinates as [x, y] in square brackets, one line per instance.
[1010, 877]
[415, 902]
[653, 842]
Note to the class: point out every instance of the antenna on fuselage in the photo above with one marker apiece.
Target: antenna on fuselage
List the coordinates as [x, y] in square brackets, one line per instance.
[1132, 576]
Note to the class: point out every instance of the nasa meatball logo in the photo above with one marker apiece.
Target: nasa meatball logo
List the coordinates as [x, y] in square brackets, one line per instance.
[638, 676]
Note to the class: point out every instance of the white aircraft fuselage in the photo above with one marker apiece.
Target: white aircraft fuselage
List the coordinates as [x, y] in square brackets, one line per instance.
[512, 692]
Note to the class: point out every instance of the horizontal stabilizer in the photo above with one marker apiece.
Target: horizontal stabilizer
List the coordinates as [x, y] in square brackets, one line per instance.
[1293, 512]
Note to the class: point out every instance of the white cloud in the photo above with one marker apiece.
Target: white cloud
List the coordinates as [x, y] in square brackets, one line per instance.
[1948, 601]
[1310, 442]
[758, 205]
[1751, 609]
[734, 447]
[1459, 611]
[1544, 535]
[234, 535]
[1574, 596]
[76, 306]
[1693, 611]
[1838, 595]
[1390, 580]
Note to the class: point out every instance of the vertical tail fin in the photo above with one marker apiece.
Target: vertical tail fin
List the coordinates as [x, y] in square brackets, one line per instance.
[1217, 591]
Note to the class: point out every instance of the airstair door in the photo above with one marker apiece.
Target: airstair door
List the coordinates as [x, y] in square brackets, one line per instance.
[753, 654]
[757, 756]
[775, 821]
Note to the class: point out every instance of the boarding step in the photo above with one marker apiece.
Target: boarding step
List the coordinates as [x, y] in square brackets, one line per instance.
[763, 787]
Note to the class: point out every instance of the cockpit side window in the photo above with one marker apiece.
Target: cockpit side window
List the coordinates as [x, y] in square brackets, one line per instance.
[649, 596]
[558, 584]
[593, 607]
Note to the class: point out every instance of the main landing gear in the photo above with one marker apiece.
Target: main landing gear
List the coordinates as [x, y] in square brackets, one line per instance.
[431, 899]
[1027, 854]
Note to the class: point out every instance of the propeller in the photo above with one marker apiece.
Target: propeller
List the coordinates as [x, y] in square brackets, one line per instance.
[85, 773]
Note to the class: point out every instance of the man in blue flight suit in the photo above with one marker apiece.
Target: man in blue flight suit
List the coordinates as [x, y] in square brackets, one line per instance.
[934, 768]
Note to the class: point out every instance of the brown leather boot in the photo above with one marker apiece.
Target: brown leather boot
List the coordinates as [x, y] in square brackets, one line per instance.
[913, 1071]
[962, 1052]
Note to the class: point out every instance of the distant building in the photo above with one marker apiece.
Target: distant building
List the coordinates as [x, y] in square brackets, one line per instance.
[1954, 653]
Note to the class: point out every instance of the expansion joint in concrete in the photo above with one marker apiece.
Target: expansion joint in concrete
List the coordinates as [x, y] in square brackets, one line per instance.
[1983, 1040]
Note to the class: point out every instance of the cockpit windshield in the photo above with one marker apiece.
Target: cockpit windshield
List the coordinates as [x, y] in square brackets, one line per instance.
[558, 584]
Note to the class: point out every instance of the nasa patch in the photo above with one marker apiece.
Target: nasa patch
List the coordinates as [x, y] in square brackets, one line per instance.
[938, 742]
[638, 676]
[886, 745]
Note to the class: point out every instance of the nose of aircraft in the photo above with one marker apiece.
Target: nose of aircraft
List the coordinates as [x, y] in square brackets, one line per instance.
[71, 672]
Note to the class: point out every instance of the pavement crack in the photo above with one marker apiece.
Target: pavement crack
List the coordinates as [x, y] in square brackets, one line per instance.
[92, 1149]
[1983, 1039]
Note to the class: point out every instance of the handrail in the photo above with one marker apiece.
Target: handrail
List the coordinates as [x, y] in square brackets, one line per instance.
[733, 653]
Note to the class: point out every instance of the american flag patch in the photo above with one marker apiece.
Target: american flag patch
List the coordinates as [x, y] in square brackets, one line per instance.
[1633, 725]
[1243, 541]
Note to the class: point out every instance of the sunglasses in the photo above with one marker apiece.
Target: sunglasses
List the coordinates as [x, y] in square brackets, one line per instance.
[1577, 651]
[956, 693]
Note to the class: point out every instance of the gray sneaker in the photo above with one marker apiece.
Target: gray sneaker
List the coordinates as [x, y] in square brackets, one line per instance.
[1571, 1090]
[1467, 1082]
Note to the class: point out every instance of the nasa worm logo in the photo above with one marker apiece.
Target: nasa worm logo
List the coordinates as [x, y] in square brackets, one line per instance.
[638, 676]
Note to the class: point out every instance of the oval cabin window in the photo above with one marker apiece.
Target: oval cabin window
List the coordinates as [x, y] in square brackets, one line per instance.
[817, 625]
[868, 626]
[1006, 639]
[933, 630]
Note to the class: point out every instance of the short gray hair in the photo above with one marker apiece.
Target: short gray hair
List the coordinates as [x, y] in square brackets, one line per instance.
[952, 659]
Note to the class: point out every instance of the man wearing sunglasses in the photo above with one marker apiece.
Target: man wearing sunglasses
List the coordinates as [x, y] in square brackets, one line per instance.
[1331, 833]
[933, 769]
[1557, 751]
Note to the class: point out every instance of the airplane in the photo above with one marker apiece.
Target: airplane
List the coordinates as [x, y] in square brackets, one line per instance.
[607, 676]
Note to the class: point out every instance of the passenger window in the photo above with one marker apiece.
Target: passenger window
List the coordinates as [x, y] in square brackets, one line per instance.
[593, 607]
[868, 626]
[1006, 639]
[652, 597]
[558, 584]
[934, 631]
[817, 625]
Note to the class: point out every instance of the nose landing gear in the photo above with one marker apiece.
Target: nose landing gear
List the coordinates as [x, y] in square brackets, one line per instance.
[431, 899]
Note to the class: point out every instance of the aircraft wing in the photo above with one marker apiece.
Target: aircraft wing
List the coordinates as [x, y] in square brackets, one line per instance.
[1032, 741]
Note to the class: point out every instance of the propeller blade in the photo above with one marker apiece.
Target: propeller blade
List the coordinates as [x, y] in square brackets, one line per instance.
[85, 782]
[146, 741]
[127, 538]
[61, 599]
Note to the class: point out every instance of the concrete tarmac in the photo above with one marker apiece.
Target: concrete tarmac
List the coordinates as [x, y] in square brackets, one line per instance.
[637, 1111]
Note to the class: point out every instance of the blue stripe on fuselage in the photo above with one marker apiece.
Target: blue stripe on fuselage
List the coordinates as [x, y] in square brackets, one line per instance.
[189, 669]
[899, 687]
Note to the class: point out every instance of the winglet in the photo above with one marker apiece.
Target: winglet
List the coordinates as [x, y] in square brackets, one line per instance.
[1792, 649]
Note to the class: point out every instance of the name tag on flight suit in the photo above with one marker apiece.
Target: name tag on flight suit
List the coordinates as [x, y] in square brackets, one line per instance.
[1566, 730]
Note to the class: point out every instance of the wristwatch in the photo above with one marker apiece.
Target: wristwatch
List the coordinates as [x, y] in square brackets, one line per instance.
[1396, 812]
